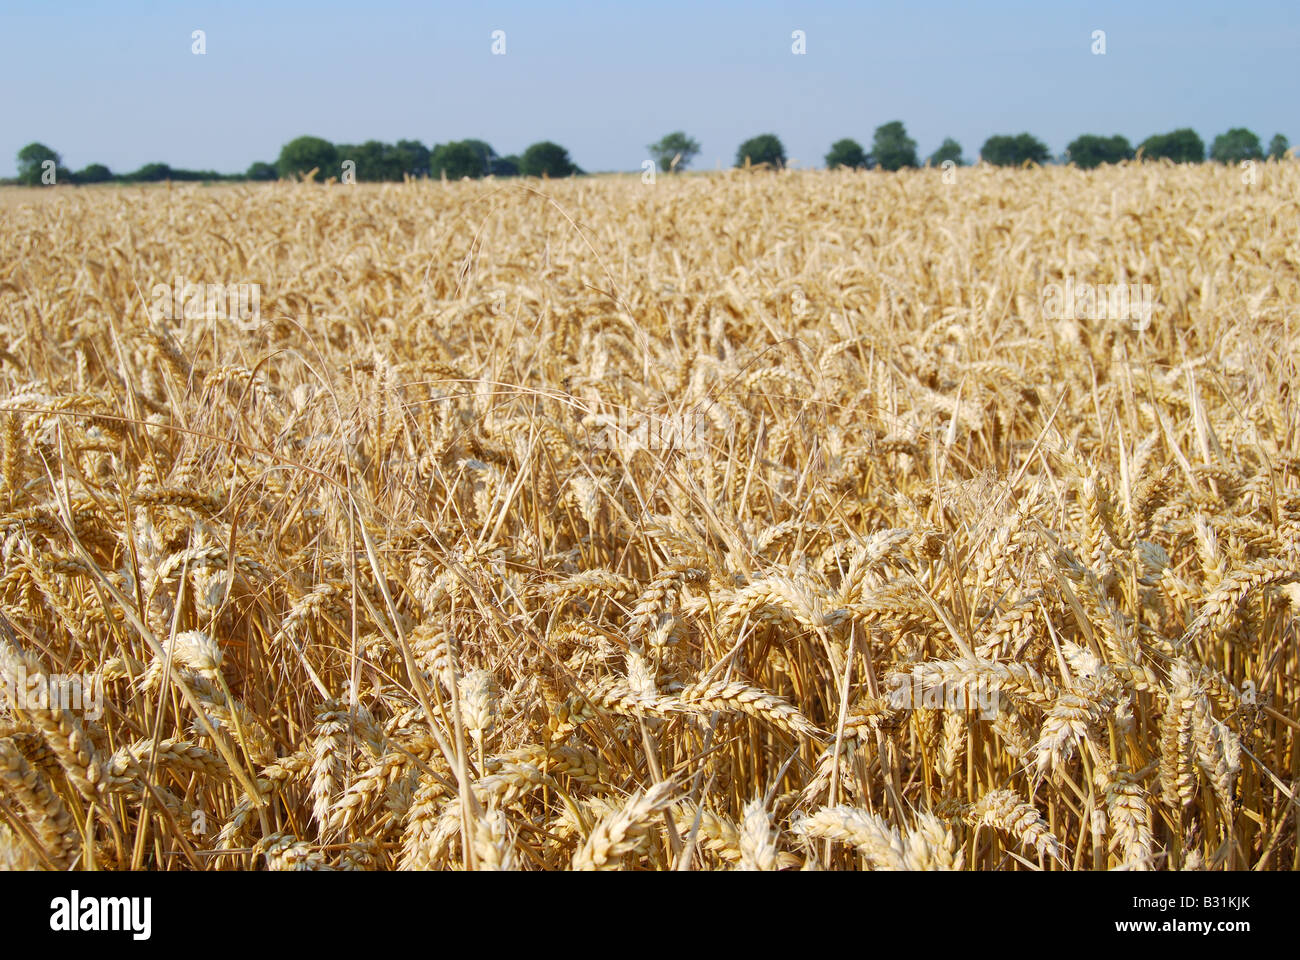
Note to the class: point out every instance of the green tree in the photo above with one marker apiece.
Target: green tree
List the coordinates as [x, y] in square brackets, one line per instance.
[1090, 150]
[1277, 147]
[1007, 151]
[1236, 145]
[308, 153]
[173, 173]
[375, 160]
[950, 149]
[1181, 146]
[93, 173]
[674, 146]
[506, 166]
[546, 159]
[413, 156]
[150, 173]
[1014, 151]
[454, 160]
[485, 154]
[381, 160]
[31, 163]
[261, 171]
[999, 150]
[892, 148]
[846, 153]
[764, 148]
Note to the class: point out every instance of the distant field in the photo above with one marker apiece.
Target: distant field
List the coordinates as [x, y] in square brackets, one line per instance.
[800, 520]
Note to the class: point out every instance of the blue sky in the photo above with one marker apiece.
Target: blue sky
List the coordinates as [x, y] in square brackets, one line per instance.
[117, 83]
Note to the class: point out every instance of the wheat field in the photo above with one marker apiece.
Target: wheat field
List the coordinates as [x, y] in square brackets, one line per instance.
[735, 521]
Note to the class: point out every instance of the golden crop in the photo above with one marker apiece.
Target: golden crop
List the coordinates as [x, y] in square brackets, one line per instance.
[743, 520]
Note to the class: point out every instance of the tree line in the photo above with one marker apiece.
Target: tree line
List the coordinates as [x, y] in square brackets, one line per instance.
[377, 161]
[373, 161]
[891, 149]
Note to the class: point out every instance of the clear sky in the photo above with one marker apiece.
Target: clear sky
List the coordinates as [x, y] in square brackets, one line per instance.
[116, 82]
